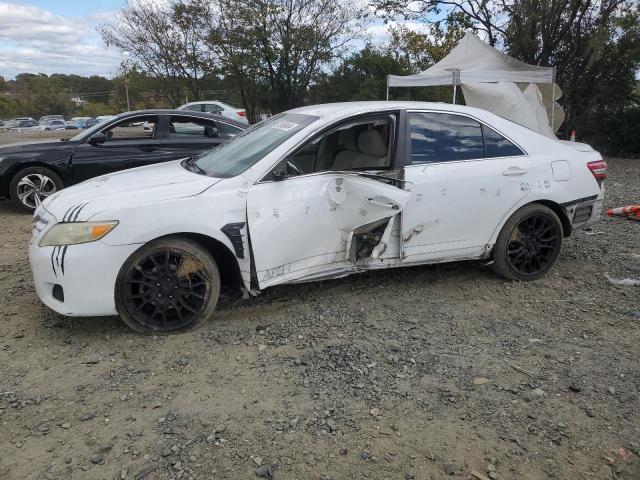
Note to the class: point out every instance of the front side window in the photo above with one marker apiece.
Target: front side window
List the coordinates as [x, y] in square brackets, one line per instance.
[135, 128]
[212, 108]
[245, 150]
[359, 145]
[443, 137]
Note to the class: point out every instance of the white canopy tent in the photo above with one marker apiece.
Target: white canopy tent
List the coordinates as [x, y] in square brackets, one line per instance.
[496, 82]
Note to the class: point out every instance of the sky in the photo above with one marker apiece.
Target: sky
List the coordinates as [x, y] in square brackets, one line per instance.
[59, 36]
[56, 36]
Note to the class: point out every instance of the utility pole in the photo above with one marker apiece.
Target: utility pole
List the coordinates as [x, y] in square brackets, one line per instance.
[126, 89]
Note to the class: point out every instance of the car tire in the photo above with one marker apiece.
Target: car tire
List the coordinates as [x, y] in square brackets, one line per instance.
[40, 181]
[529, 243]
[169, 285]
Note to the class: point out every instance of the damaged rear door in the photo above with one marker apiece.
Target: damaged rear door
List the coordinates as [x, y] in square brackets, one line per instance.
[316, 226]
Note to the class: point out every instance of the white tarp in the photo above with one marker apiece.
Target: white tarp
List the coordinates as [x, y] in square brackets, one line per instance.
[509, 101]
[495, 82]
[476, 62]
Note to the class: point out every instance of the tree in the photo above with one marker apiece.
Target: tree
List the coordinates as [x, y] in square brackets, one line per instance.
[162, 40]
[594, 44]
[281, 46]
[361, 76]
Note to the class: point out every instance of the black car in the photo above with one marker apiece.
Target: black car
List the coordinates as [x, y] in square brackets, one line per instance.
[30, 172]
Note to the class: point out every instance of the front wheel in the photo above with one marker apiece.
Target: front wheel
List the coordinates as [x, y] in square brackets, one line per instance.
[529, 244]
[168, 286]
[29, 187]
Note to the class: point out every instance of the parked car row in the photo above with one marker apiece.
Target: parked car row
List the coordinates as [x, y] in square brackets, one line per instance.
[31, 172]
[50, 122]
[313, 193]
[57, 122]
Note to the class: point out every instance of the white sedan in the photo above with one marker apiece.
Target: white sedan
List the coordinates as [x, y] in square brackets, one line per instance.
[313, 193]
[217, 107]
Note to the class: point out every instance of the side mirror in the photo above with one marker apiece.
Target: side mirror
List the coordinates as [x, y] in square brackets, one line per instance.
[97, 138]
[280, 172]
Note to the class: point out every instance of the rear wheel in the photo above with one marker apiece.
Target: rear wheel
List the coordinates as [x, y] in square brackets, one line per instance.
[29, 187]
[529, 243]
[168, 286]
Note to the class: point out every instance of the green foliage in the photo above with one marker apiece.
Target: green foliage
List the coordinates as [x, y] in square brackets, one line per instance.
[614, 132]
[594, 45]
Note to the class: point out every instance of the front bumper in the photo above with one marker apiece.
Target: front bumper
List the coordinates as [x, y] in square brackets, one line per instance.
[86, 274]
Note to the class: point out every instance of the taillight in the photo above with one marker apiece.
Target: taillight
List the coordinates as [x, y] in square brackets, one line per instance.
[599, 170]
[242, 113]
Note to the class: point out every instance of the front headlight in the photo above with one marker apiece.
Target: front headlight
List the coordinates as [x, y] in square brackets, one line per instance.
[72, 233]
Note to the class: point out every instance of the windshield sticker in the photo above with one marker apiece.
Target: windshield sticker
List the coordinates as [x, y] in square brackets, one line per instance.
[285, 126]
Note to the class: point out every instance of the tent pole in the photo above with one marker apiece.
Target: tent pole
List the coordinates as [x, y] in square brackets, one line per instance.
[553, 102]
[455, 87]
[387, 88]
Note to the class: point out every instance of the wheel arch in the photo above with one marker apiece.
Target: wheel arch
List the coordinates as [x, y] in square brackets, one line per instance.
[554, 206]
[225, 259]
[558, 210]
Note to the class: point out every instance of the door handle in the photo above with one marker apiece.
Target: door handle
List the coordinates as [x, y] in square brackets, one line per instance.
[390, 205]
[148, 148]
[514, 171]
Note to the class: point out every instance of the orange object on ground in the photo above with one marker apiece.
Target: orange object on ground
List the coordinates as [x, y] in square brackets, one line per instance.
[630, 209]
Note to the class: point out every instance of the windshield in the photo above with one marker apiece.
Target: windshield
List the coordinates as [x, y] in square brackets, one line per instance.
[245, 150]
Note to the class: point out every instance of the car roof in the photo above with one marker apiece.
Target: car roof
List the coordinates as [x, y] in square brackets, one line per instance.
[198, 102]
[188, 113]
[327, 110]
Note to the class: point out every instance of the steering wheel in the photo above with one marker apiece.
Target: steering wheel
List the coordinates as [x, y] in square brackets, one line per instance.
[292, 166]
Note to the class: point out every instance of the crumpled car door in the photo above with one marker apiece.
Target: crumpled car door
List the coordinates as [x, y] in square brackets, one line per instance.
[302, 228]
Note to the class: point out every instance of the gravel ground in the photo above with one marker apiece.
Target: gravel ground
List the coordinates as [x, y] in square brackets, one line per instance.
[7, 137]
[428, 372]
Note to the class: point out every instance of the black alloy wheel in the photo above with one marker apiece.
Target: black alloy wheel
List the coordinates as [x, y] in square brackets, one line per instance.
[168, 286]
[529, 243]
[532, 244]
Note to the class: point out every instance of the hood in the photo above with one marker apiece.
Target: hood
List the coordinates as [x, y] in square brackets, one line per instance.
[126, 189]
[32, 146]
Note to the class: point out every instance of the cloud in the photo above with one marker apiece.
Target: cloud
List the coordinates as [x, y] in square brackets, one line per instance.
[36, 40]
[379, 32]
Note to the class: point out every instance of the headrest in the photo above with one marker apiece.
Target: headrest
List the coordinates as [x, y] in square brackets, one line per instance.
[370, 142]
[210, 131]
[347, 139]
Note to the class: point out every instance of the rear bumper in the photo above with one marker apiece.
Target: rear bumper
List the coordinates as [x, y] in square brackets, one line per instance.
[586, 211]
[86, 275]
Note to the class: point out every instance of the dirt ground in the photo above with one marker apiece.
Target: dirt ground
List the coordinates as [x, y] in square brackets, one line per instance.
[419, 373]
[7, 137]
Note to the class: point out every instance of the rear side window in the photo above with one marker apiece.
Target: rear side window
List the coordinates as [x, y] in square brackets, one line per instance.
[444, 137]
[495, 145]
[225, 128]
[189, 127]
[212, 108]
